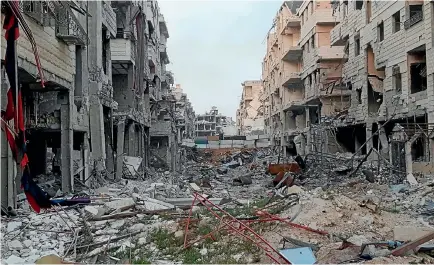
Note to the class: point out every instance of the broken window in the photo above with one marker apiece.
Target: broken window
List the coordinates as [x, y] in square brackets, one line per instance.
[78, 72]
[105, 47]
[380, 31]
[356, 46]
[359, 95]
[397, 79]
[418, 77]
[349, 86]
[345, 8]
[313, 41]
[396, 20]
[359, 4]
[415, 15]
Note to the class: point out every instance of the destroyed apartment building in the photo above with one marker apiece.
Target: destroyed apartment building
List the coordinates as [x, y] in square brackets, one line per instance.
[103, 67]
[184, 114]
[340, 76]
[213, 123]
[250, 113]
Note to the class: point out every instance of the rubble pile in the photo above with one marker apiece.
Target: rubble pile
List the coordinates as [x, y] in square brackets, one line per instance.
[333, 212]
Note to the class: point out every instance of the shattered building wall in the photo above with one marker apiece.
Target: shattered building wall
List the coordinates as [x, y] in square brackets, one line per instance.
[250, 114]
[163, 133]
[283, 89]
[389, 71]
[96, 104]
[184, 114]
[211, 123]
[363, 68]
[129, 60]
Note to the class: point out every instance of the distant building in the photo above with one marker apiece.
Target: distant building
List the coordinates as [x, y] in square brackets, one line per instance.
[250, 114]
[184, 114]
[211, 123]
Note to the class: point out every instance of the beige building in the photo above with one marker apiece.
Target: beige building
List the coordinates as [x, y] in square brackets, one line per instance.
[250, 114]
[356, 69]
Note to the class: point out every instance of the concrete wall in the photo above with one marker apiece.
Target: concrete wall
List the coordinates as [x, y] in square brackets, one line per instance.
[252, 143]
[56, 57]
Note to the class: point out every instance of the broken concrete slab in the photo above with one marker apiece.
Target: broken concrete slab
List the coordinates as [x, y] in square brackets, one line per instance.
[179, 202]
[153, 204]
[195, 187]
[12, 226]
[295, 190]
[94, 212]
[132, 163]
[410, 233]
[137, 227]
[15, 260]
[243, 180]
[122, 204]
[15, 245]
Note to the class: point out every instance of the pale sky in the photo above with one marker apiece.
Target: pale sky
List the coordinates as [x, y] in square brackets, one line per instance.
[216, 45]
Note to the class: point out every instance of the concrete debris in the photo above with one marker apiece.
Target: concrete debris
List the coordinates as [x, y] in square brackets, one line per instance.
[94, 212]
[136, 214]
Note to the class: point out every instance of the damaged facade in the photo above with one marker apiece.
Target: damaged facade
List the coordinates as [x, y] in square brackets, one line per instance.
[184, 114]
[250, 114]
[213, 123]
[363, 68]
[100, 83]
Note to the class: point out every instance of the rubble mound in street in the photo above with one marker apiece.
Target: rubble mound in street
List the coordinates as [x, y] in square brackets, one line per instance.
[335, 211]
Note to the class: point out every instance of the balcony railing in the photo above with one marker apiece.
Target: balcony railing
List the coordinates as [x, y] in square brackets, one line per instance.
[109, 17]
[414, 19]
[68, 27]
[43, 12]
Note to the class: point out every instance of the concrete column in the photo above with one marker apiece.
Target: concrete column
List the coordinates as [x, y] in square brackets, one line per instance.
[169, 152]
[131, 137]
[96, 118]
[86, 155]
[120, 149]
[369, 142]
[66, 139]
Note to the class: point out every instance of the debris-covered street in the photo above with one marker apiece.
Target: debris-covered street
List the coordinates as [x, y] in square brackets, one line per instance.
[246, 214]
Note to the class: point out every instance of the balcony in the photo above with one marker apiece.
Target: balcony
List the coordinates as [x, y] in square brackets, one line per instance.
[329, 53]
[40, 11]
[68, 28]
[123, 51]
[290, 78]
[413, 20]
[293, 104]
[292, 54]
[109, 17]
[163, 26]
[336, 34]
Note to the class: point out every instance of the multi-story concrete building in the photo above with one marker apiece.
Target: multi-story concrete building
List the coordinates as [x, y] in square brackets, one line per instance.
[211, 123]
[100, 81]
[283, 88]
[250, 113]
[364, 67]
[184, 114]
[389, 73]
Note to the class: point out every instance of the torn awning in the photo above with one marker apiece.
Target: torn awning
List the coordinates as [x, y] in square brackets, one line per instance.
[376, 84]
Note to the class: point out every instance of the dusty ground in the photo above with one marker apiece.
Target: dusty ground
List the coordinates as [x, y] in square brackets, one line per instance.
[349, 209]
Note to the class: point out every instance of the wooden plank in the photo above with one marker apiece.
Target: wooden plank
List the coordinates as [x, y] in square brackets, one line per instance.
[412, 245]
